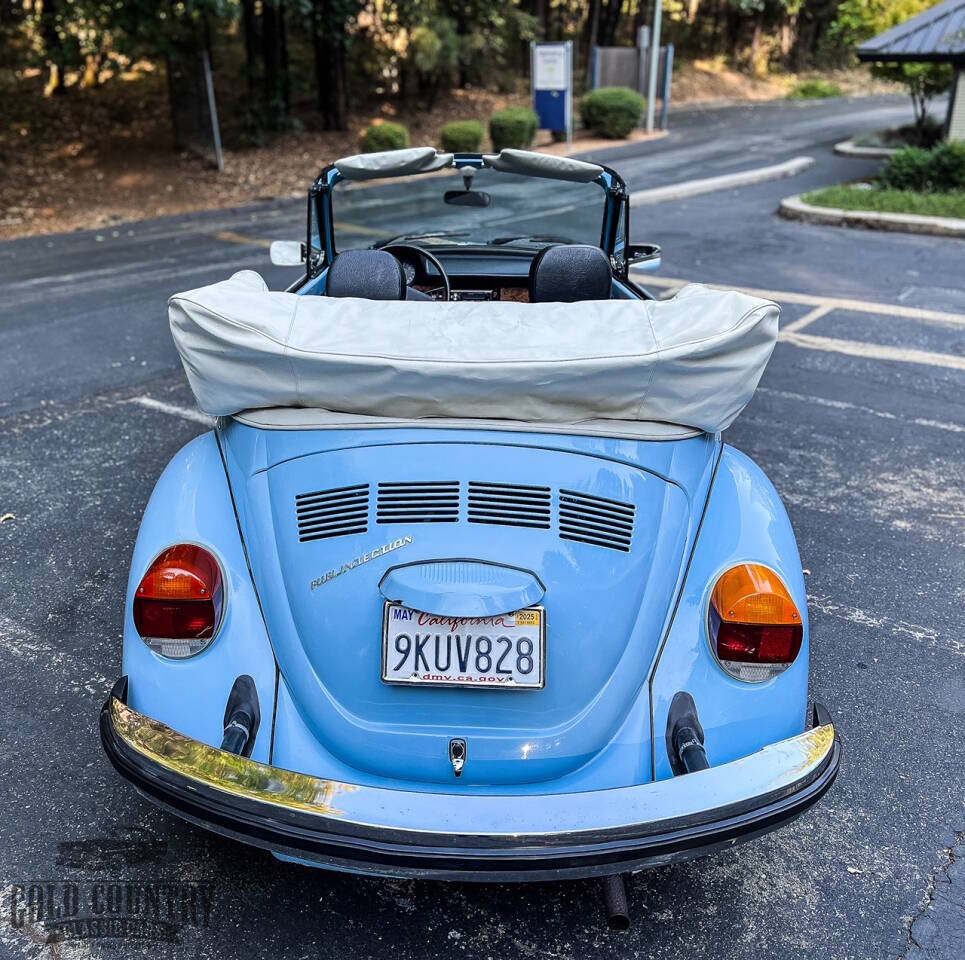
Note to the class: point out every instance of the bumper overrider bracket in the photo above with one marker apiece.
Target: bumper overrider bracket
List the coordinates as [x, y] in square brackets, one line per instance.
[463, 836]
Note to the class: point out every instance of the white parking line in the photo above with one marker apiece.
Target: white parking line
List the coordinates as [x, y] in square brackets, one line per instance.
[874, 351]
[843, 405]
[824, 305]
[809, 299]
[186, 413]
[808, 318]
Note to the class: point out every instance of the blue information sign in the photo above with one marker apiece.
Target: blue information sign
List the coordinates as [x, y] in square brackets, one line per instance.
[552, 67]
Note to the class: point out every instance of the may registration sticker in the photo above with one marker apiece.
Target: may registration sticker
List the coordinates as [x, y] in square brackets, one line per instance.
[505, 652]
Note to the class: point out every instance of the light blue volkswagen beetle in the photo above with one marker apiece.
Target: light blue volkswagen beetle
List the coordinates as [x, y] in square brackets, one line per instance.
[464, 583]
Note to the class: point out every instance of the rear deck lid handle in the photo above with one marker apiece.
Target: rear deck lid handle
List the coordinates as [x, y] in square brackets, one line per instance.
[462, 588]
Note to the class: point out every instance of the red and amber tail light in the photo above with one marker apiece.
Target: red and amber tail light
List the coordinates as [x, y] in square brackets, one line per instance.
[179, 601]
[755, 627]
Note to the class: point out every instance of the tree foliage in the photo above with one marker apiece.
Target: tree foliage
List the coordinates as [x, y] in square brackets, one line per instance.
[346, 52]
[860, 20]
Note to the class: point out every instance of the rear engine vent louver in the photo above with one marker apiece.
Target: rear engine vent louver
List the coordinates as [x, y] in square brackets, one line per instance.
[430, 501]
[509, 505]
[332, 513]
[595, 520]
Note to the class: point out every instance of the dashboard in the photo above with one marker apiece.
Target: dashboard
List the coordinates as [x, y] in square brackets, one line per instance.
[475, 273]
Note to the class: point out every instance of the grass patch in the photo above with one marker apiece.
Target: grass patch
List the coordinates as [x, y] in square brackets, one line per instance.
[847, 197]
[816, 89]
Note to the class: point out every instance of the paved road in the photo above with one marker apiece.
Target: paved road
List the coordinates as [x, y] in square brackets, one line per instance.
[866, 447]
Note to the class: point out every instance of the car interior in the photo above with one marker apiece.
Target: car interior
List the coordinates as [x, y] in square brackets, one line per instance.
[563, 273]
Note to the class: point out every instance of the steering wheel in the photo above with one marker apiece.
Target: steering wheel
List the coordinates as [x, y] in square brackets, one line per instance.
[396, 248]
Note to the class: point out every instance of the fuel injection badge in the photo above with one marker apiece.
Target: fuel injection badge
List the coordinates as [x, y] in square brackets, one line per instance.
[364, 558]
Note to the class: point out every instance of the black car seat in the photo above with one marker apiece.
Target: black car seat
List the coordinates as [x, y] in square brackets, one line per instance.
[371, 275]
[569, 272]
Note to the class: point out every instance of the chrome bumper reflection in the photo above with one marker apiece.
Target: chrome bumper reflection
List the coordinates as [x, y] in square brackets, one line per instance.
[723, 792]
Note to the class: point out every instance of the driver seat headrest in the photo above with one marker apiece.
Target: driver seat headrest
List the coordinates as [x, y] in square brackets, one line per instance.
[568, 273]
[368, 274]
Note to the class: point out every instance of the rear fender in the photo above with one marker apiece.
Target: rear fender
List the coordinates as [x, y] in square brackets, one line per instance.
[192, 503]
[745, 521]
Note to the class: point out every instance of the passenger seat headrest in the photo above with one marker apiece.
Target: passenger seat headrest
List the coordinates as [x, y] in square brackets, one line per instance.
[369, 274]
[568, 273]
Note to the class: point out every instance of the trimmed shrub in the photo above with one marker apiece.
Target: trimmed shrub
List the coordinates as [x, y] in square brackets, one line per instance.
[385, 136]
[817, 89]
[514, 127]
[462, 136]
[906, 170]
[939, 170]
[946, 167]
[612, 112]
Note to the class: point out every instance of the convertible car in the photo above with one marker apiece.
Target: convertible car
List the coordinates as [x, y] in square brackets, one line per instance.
[464, 583]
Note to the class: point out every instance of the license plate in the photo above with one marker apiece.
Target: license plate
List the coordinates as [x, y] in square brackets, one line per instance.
[486, 653]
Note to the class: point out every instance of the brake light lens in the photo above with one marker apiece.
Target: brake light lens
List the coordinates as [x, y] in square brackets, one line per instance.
[755, 628]
[178, 603]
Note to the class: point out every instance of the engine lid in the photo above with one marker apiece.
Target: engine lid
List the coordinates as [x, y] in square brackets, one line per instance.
[598, 543]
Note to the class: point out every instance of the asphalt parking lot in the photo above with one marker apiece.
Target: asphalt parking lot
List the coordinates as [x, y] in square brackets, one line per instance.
[859, 421]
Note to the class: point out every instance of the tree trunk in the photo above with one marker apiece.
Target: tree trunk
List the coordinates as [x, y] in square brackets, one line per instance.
[756, 43]
[734, 33]
[593, 28]
[177, 135]
[803, 45]
[319, 56]
[53, 47]
[788, 36]
[286, 80]
[339, 94]
[610, 20]
[328, 43]
[92, 70]
[249, 24]
[541, 13]
[271, 54]
[715, 29]
[463, 29]
[638, 15]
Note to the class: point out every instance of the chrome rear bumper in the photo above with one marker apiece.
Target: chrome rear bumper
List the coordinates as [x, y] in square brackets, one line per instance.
[393, 833]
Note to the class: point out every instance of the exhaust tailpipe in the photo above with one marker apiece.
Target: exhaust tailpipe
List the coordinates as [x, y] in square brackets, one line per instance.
[615, 902]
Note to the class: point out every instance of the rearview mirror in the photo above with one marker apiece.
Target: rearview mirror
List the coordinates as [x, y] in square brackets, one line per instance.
[644, 256]
[467, 198]
[287, 253]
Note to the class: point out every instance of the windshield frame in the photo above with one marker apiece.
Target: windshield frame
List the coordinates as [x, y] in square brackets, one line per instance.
[321, 217]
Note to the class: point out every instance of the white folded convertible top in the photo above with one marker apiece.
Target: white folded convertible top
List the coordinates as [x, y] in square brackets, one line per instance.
[693, 361]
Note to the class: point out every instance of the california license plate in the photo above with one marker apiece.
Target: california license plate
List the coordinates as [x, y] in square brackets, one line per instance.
[488, 653]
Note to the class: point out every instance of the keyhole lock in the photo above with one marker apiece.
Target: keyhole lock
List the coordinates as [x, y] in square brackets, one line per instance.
[457, 755]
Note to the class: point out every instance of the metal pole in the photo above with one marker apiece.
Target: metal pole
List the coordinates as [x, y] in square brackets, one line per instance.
[665, 93]
[654, 57]
[213, 110]
[643, 45]
[532, 78]
[569, 93]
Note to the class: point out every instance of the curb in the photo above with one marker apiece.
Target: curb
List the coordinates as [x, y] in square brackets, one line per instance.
[727, 181]
[615, 150]
[794, 208]
[848, 148]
